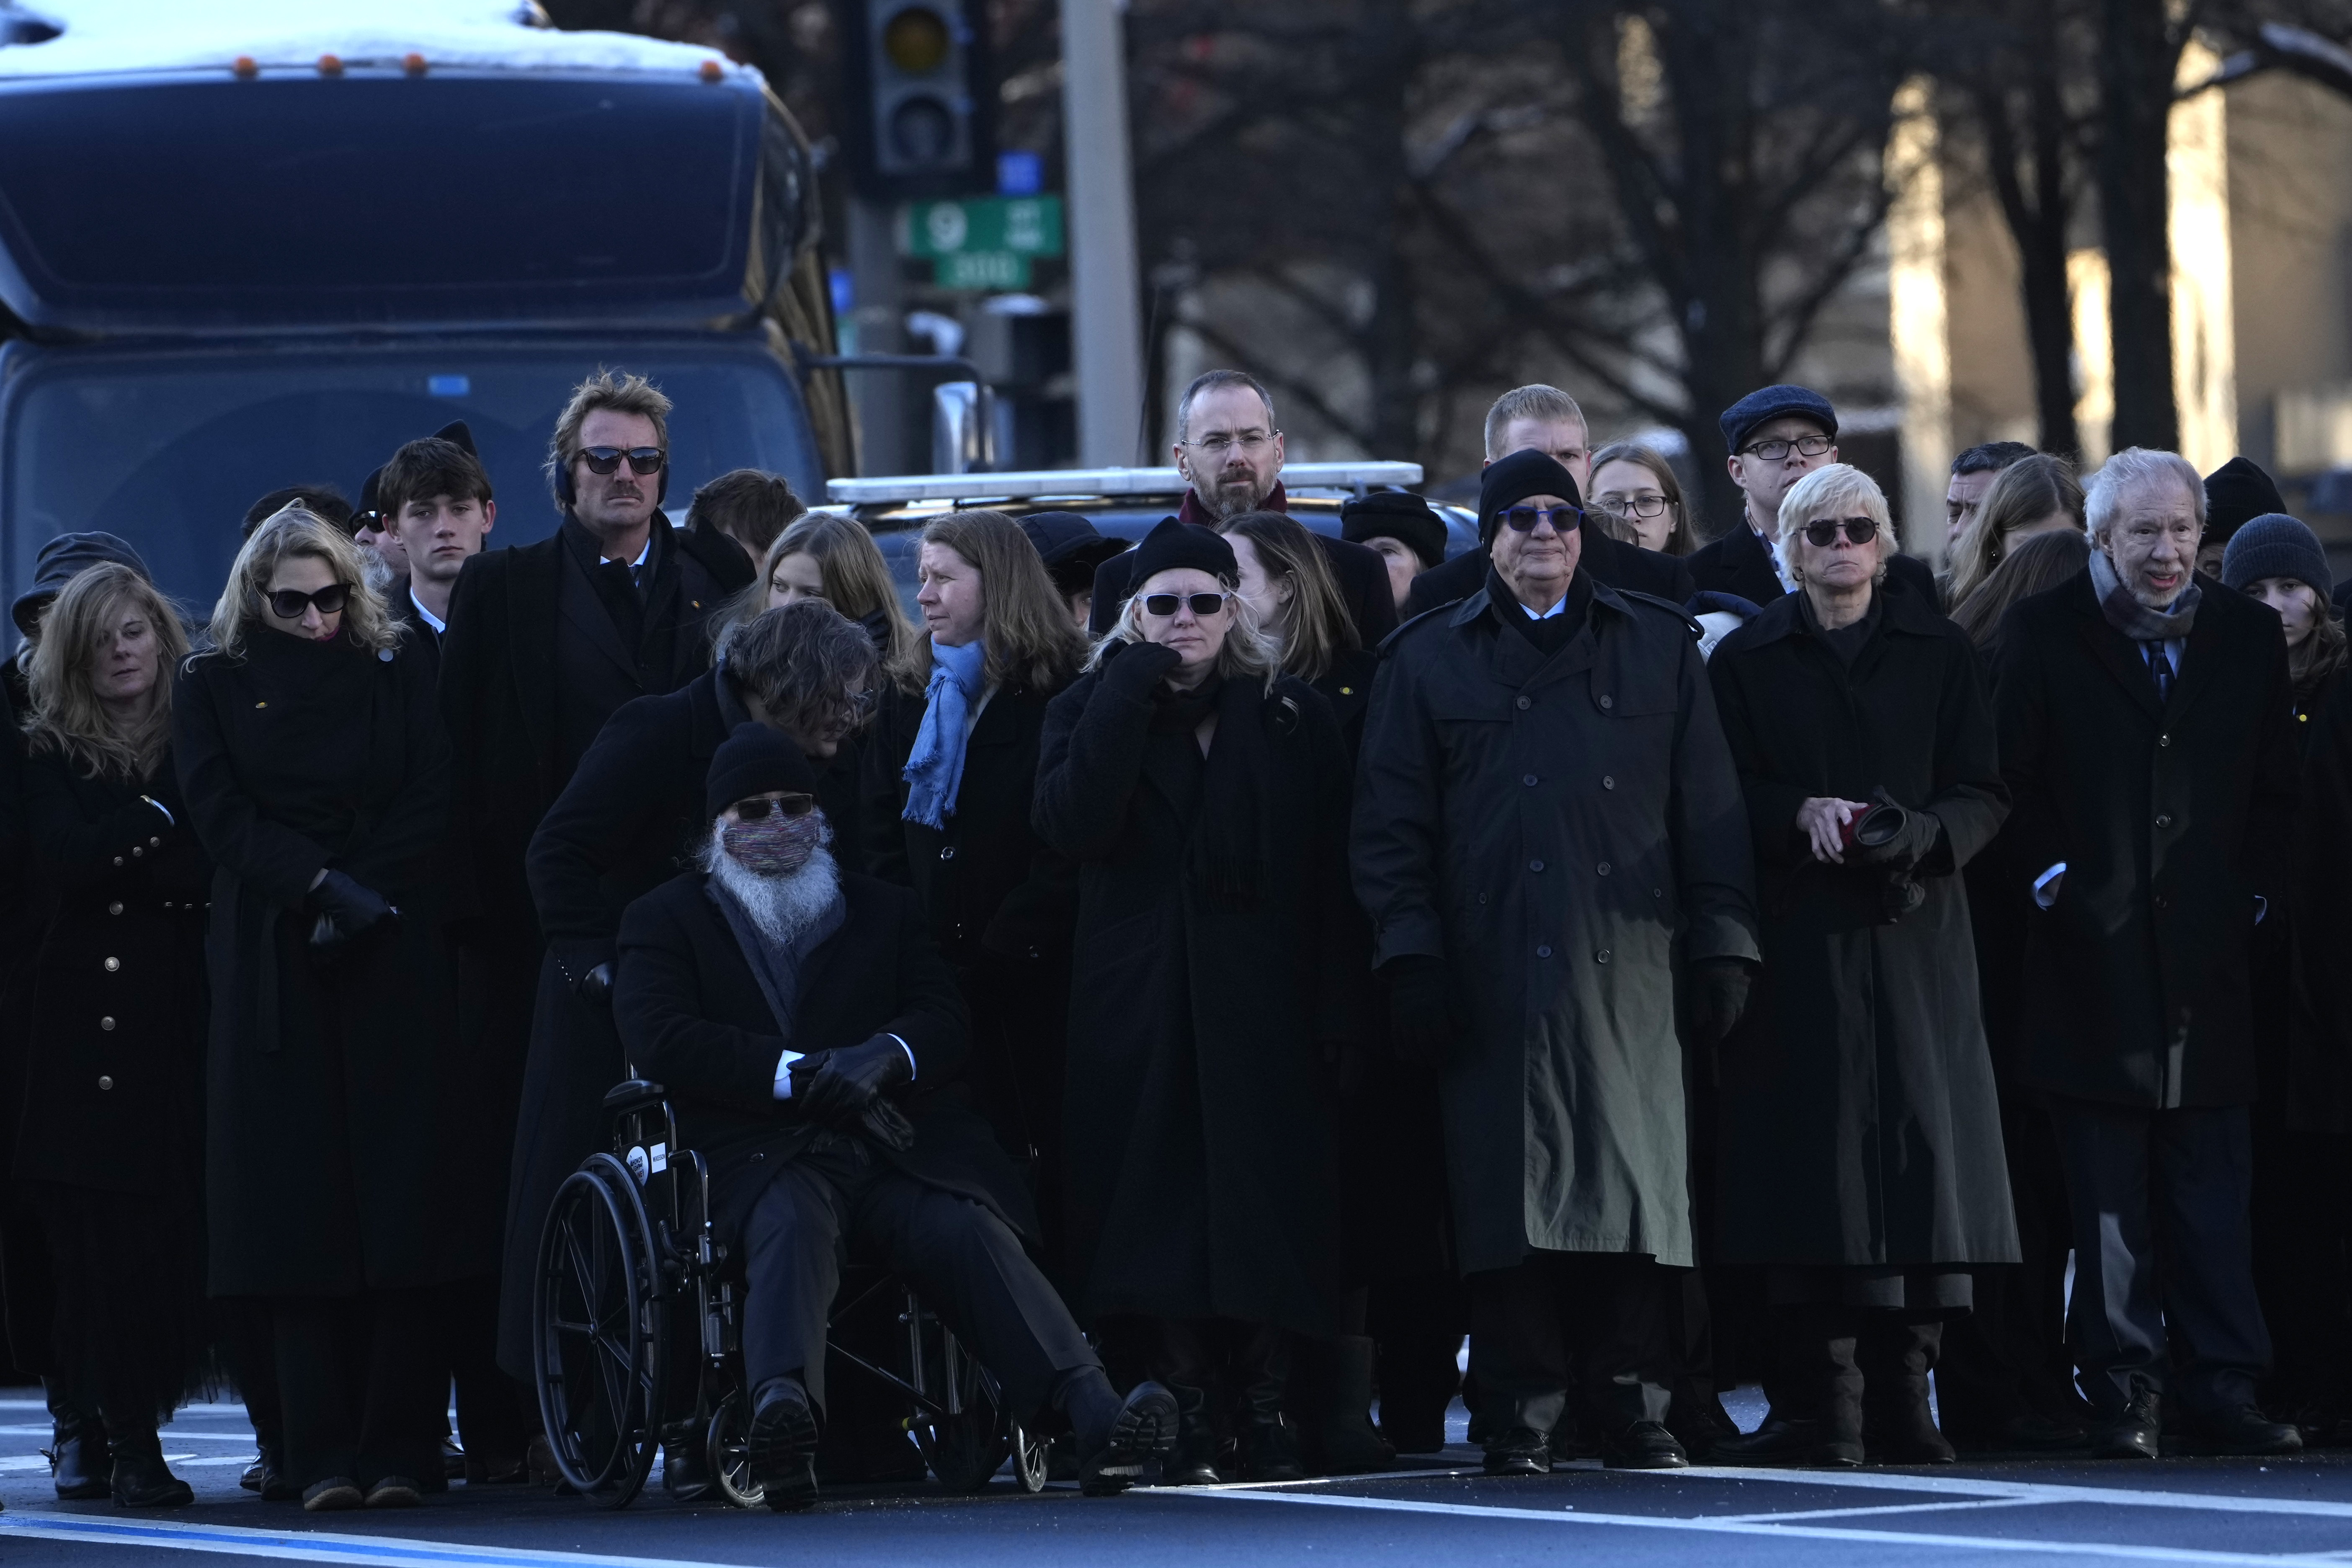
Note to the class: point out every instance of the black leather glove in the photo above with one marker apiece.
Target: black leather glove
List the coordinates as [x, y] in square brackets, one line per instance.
[587, 967]
[849, 1081]
[1890, 835]
[346, 911]
[1133, 668]
[1717, 991]
[1421, 1009]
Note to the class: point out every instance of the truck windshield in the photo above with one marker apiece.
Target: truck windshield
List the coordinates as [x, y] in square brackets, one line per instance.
[168, 450]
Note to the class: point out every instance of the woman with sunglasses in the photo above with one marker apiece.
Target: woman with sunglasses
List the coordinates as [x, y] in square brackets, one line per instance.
[312, 758]
[955, 769]
[1205, 795]
[1860, 1160]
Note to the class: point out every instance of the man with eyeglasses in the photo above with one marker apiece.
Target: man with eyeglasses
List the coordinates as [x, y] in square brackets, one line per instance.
[1776, 436]
[545, 641]
[1229, 451]
[1547, 827]
[1545, 419]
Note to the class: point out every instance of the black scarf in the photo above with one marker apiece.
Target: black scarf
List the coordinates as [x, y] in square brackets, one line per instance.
[1232, 851]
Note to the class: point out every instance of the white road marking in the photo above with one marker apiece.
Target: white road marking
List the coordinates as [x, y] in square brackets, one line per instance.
[2024, 1491]
[1880, 1509]
[2120, 1551]
[304, 1546]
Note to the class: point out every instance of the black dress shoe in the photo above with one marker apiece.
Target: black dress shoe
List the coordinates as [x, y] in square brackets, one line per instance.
[396, 1492]
[2242, 1431]
[333, 1495]
[686, 1469]
[1519, 1451]
[783, 1446]
[1144, 1430]
[1785, 1441]
[2134, 1435]
[142, 1478]
[79, 1463]
[1643, 1446]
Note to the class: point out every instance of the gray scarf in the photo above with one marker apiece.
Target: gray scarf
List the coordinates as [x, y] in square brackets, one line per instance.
[777, 968]
[2131, 617]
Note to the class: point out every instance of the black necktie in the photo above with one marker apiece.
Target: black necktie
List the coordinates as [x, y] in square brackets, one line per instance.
[2160, 664]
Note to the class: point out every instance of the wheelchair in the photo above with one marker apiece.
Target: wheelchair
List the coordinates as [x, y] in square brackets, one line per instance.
[632, 1278]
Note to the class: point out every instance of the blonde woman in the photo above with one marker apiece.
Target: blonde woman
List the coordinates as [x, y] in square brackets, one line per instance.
[1204, 797]
[110, 1157]
[2034, 495]
[315, 775]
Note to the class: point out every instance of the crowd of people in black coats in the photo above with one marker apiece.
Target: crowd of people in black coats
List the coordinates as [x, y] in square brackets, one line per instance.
[1218, 974]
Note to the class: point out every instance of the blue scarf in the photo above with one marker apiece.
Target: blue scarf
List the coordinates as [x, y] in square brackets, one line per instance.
[935, 768]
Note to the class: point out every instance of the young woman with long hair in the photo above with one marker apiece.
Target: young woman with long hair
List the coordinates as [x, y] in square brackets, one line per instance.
[2031, 496]
[1637, 491]
[111, 1154]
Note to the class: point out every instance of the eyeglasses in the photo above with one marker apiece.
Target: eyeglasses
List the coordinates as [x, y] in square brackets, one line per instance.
[1773, 451]
[1217, 444]
[288, 603]
[1632, 506]
[1822, 532]
[1523, 518]
[759, 806]
[1165, 605]
[643, 460]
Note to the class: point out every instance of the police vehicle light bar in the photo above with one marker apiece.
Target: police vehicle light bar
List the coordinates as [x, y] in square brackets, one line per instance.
[1036, 482]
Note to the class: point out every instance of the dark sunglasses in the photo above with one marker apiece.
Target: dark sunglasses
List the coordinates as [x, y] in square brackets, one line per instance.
[288, 603]
[1822, 532]
[1523, 518]
[753, 809]
[643, 460]
[1164, 604]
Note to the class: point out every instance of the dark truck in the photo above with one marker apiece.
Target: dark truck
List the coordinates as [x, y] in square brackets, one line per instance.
[238, 252]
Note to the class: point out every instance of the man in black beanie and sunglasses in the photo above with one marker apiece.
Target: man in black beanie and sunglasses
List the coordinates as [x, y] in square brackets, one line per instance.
[1537, 865]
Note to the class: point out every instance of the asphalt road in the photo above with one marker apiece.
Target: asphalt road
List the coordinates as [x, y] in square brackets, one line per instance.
[2178, 1511]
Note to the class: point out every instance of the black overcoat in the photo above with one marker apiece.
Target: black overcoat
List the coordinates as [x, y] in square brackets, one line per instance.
[2172, 818]
[2319, 1078]
[696, 1021]
[1562, 831]
[1859, 1120]
[114, 1094]
[337, 1104]
[1197, 1116]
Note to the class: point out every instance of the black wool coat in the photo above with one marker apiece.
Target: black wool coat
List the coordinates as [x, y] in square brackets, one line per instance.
[696, 1021]
[337, 1103]
[2172, 819]
[1564, 832]
[114, 1096]
[2317, 1086]
[1623, 567]
[1197, 1117]
[1740, 563]
[1858, 1116]
[503, 694]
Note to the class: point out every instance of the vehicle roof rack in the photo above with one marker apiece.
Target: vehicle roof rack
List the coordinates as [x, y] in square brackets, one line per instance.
[1036, 482]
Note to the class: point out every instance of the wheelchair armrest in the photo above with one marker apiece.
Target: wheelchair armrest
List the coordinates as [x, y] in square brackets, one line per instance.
[637, 1094]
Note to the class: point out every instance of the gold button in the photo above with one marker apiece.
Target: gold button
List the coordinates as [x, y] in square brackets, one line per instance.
[112, 965]
[116, 909]
[106, 1023]
[104, 1081]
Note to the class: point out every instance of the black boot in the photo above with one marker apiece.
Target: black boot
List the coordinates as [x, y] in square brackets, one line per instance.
[1194, 1463]
[1818, 1417]
[1335, 1388]
[1898, 1426]
[79, 1463]
[783, 1445]
[1419, 1378]
[1269, 1445]
[141, 1478]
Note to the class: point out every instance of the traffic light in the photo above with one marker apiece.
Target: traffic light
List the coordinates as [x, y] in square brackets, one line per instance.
[921, 112]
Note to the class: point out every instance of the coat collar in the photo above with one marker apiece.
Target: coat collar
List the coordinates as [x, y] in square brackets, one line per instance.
[1900, 612]
[1516, 662]
[1192, 512]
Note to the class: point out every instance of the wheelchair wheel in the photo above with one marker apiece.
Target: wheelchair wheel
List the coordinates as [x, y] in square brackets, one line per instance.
[729, 1452]
[1033, 1457]
[600, 1350]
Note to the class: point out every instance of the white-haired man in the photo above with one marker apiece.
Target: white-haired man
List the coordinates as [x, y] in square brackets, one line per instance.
[799, 1017]
[2145, 735]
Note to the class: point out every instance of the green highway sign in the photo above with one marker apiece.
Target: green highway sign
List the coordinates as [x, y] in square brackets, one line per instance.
[1019, 226]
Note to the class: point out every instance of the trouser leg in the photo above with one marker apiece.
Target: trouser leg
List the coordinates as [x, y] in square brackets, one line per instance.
[493, 1421]
[1517, 1352]
[791, 1267]
[1418, 1324]
[404, 1388]
[969, 1268]
[313, 1338]
[2202, 1164]
[1619, 1309]
[2115, 1324]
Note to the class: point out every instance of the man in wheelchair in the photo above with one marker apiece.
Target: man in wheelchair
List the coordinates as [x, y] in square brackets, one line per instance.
[805, 1029]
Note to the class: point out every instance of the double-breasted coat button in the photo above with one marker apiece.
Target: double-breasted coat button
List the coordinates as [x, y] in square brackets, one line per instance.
[154, 844]
[2164, 822]
[106, 1023]
[2164, 740]
[112, 965]
[1527, 702]
[1529, 781]
[1608, 780]
[118, 859]
[116, 909]
[1543, 953]
[1602, 868]
[948, 852]
[136, 852]
[104, 1081]
[1600, 957]
[1607, 701]
[1535, 865]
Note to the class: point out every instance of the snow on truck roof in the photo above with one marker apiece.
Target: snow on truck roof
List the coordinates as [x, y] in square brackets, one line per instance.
[118, 38]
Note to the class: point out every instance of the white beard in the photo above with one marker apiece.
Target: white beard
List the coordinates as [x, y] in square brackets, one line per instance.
[781, 907]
